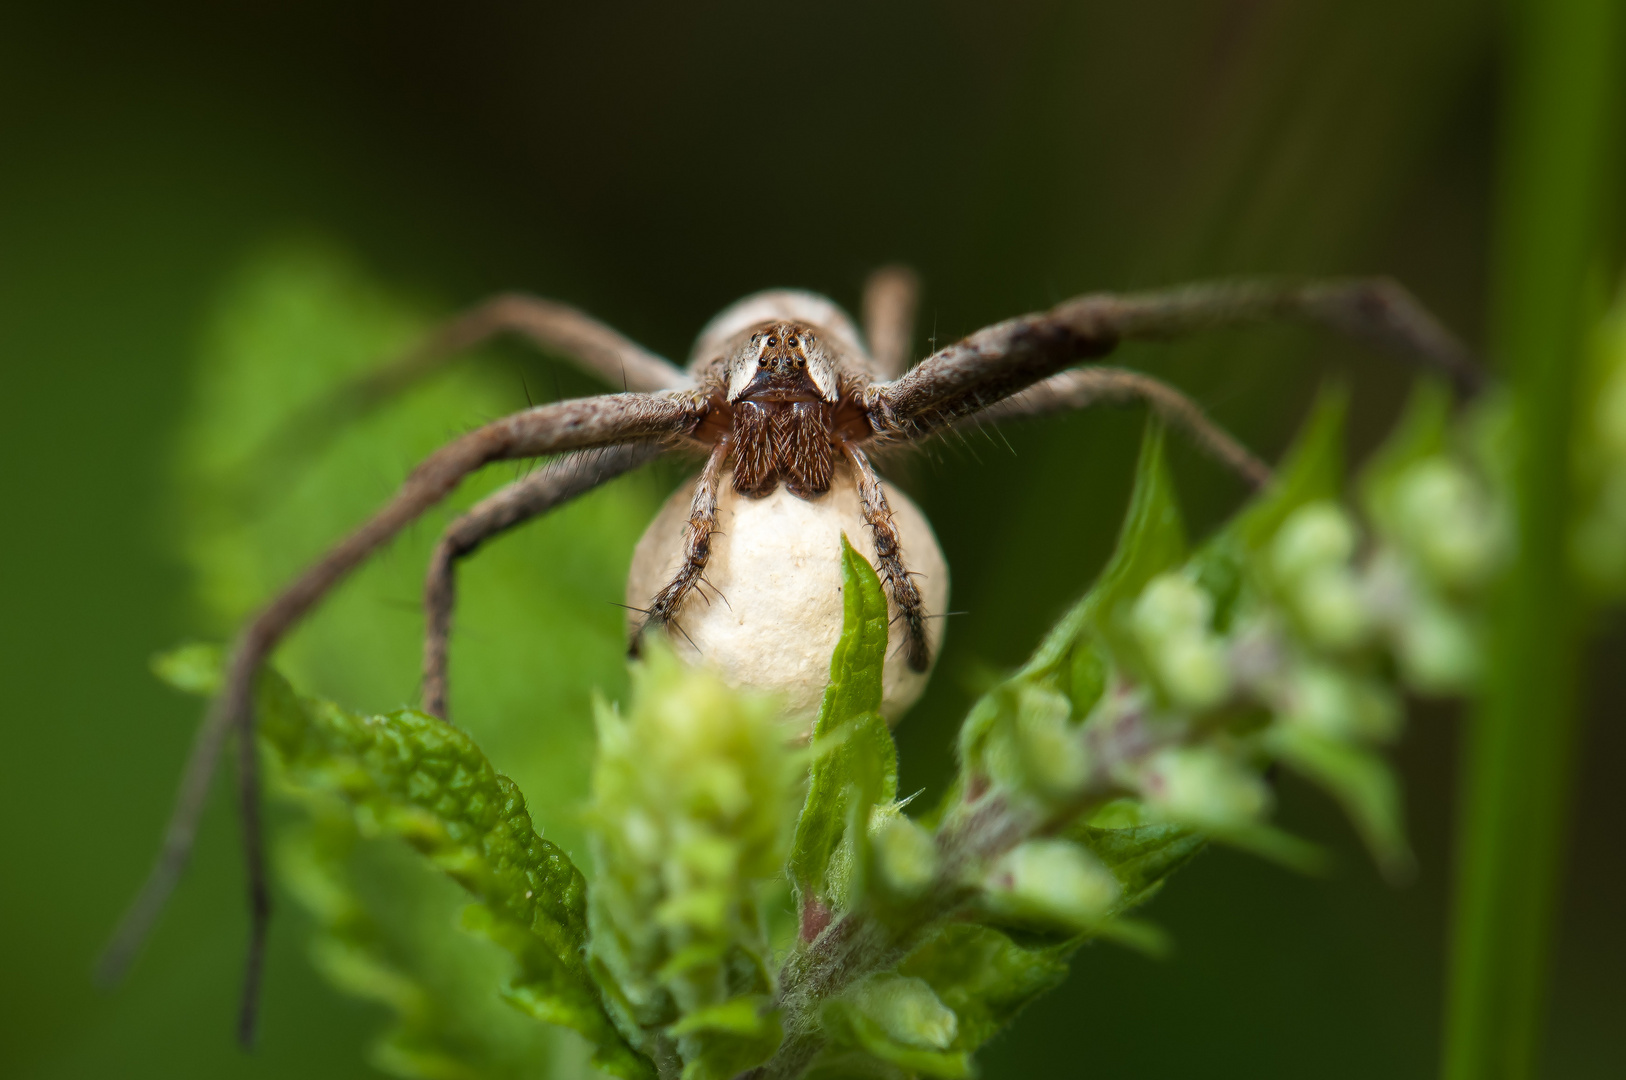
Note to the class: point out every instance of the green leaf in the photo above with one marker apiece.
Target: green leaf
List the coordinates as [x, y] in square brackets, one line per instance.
[899, 1019]
[418, 778]
[860, 655]
[1313, 470]
[1151, 540]
[1360, 780]
[855, 764]
[724, 1040]
[1278, 846]
[1421, 433]
[1141, 856]
[985, 977]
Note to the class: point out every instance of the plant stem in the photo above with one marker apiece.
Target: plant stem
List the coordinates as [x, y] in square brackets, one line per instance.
[1563, 57]
[976, 832]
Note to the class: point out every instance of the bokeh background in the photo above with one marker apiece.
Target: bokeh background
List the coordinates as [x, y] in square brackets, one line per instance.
[652, 162]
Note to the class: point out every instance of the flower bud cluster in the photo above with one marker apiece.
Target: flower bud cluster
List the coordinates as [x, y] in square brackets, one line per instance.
[1441, 536]
[1311, 563]
[1171, 621]
[692, 792]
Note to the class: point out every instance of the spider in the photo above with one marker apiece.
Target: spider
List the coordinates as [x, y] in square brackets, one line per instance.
[786, 401]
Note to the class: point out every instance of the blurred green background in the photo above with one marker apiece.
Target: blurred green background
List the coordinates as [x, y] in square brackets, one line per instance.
[651, 163]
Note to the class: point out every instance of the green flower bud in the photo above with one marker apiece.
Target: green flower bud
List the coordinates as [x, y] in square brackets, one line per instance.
[1171, 605]
[1170, 620]
[905, 855]
[1331, 608]
[1202, 787]
[1437, 648]
[1037, 750]
[1052, 754]
[1340, 706]
[1445, 522]
[907, 1010]
[1315, 537]
[1053, 882]
[1195, 670]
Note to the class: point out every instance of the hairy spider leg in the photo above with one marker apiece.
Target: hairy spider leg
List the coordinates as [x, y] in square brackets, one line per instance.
[519, 502]
[663, 608]
[878, 516]
[1086, 387]
[1002, 359]
[891, 295]
[556, 329]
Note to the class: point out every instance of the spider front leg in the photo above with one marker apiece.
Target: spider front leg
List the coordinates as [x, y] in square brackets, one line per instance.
[1000, 360]
[555, 328]
[878, 516]
[548, 429]
[663, 607]
[519, 502]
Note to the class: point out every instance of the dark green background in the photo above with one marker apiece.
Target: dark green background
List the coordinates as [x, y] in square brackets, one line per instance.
[651, 162]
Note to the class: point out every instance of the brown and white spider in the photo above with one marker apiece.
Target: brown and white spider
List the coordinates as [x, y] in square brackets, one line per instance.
[785, 399]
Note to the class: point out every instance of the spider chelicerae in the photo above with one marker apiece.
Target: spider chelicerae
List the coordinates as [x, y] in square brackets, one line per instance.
[786, 401]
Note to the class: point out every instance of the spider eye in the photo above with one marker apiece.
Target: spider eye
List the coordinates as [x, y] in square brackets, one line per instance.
[772, 342]
[763, 362]
[791, 342]
[800, 362]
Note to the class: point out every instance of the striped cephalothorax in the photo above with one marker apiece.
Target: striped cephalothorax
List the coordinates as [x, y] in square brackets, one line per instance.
[783, 399]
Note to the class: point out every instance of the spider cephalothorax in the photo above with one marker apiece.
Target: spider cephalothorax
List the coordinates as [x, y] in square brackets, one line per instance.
[783, 388]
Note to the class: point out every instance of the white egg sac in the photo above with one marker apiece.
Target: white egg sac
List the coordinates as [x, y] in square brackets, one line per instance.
[773, 613]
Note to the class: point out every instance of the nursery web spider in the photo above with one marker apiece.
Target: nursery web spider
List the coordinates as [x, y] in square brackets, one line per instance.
[782, 387]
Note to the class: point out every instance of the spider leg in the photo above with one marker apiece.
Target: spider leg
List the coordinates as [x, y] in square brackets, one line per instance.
[519, 502]
[548, 429]
[663, 608]
[878, 516]
[890, 297]
[1083, 387]
[557, 329]
[999, 360]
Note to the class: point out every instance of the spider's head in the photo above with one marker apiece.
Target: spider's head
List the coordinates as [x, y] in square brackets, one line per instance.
[781, 361]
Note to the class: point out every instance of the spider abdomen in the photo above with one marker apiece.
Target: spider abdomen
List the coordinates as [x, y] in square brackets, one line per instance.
[770, 610]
